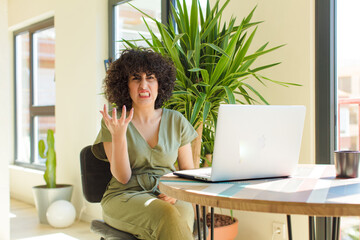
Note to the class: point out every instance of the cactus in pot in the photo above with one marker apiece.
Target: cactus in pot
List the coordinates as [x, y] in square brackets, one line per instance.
[50, 156]
[45, 195]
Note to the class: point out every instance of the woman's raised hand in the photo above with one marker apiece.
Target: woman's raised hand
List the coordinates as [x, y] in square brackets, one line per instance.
[117, 127]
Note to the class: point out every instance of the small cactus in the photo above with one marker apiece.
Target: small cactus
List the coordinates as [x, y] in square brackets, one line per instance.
[50, 172]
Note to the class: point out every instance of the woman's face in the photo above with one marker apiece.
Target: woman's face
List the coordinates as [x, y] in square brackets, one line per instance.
[143, 89]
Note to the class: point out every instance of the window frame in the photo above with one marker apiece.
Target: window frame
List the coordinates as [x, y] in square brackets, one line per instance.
[35, 111]
[325, 80]
[165, 12]
[325, 93]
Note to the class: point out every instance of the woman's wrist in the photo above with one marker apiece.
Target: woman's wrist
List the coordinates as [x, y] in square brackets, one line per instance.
[118, 138]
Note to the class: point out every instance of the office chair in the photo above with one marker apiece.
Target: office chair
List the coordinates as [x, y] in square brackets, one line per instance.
[95, 175]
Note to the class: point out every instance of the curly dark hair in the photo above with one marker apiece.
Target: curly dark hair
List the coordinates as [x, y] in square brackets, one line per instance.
[136, 61]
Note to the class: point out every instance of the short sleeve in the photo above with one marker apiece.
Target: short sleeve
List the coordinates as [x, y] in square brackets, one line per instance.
[187, 131]
[98, 147]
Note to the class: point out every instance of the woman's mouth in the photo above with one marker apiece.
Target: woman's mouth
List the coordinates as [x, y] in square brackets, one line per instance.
[144, 94]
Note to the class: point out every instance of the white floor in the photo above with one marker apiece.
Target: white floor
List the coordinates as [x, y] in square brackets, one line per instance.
[24, 225]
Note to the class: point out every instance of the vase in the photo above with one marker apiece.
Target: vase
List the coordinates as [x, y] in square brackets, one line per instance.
[44, 196]
[228, 232]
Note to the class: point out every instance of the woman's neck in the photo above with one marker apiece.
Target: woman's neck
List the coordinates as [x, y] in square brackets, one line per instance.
[146, 115]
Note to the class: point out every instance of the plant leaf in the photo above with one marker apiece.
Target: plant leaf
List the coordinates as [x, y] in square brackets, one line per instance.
[216, 48]
[257, 93]
[41, 146]
[230, 95]
[177, 38]
[207, 107]
[264, 67]
[209, 26]
[197, 107]
[239, 58]
[205, 76]
[255, 55]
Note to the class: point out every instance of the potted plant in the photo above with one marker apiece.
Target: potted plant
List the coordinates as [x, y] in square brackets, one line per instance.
[213, 65]
[212, 61]
[44, 195]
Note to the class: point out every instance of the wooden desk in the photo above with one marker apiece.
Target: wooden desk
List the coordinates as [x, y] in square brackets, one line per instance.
[313, 190]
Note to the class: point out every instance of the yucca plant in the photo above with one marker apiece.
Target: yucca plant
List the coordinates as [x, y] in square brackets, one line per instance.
[212, 60]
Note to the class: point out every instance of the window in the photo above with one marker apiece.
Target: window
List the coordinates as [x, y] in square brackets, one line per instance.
[325, 67]
[337, 90]
[348, 91]
[34, 54]
[202, 5]
[348, 63]
[344, 86]
[127, 22]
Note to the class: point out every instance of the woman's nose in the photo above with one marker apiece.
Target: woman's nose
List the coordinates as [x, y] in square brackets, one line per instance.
[143, 83]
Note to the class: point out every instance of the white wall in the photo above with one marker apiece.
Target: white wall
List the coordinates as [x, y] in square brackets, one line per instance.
[81, 47]
[289, 22]
[5, 126]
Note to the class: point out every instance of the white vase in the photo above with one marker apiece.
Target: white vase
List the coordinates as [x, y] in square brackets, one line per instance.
[45, 196]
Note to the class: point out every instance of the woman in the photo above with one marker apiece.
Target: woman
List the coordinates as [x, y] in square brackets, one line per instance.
[142, 144]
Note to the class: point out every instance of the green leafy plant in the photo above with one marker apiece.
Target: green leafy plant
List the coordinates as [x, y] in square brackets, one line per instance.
[208, 138]
[213, 63]
[50, 172]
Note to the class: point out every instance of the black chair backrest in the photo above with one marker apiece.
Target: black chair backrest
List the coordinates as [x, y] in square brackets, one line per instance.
[95, 175]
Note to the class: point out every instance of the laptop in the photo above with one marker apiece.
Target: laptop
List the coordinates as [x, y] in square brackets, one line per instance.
[253, 142]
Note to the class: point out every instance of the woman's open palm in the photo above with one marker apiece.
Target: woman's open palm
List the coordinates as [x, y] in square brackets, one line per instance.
[117, 127]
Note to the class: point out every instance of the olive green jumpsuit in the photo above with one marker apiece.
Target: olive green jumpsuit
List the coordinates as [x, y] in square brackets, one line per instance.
[133, 207]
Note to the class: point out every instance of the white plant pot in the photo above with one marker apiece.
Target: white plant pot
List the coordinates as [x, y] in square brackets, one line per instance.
[45, 196]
